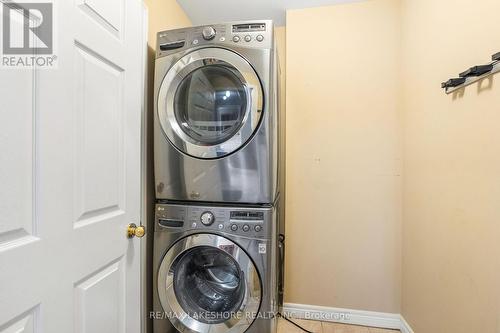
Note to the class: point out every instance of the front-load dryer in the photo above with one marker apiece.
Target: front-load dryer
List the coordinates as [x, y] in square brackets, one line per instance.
[216, 269]
[216, 114]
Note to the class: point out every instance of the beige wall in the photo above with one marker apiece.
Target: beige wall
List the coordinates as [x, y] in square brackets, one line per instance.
[164, 15]
[451, 267]
[343, 156]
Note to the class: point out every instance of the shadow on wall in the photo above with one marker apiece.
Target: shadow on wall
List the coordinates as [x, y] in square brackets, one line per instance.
[484, 85]
[150, 195]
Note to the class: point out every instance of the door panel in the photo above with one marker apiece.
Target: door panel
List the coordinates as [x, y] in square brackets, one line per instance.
[71, 177]
[107, 12]
[99, 301]
[16, 159]
[99, 137]
[25, 323]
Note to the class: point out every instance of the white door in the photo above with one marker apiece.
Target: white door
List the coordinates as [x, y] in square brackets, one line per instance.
[70, 177]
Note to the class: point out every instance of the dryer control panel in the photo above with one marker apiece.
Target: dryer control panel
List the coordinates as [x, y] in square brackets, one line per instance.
[247, 222]
[254, 34]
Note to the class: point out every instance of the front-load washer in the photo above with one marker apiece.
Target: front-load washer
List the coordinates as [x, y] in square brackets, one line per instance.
[215, 269]
[216, 117]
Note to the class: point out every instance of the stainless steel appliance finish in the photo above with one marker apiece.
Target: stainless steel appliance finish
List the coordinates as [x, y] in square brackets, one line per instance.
[215, 269]
[216, 114]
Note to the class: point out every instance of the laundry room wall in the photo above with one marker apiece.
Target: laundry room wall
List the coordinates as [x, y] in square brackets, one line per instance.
[451, 262]
[164, 15]
[343, 156]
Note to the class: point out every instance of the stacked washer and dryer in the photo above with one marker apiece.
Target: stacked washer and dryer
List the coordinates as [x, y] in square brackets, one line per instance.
[219, 222]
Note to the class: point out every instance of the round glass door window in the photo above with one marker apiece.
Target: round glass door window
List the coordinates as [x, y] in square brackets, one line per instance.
[210, 104]
[209, 284]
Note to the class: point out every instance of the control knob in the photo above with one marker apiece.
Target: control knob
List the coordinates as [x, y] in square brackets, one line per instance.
[209, 33]
[207, 218]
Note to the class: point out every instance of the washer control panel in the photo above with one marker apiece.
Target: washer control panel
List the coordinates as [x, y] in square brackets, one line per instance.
[254, 34]
[249, 222]
[249, 32]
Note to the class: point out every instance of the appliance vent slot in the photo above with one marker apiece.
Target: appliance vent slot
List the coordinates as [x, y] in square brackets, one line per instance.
[249, 27]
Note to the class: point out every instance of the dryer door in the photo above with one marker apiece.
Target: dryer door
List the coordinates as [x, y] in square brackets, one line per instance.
[207, 283]
[210, 103]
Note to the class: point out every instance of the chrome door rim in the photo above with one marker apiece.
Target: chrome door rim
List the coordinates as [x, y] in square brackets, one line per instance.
[171, 306]
[183, 67]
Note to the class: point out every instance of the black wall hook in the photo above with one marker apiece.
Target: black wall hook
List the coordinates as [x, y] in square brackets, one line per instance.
[473, 74]
[477, 70]
[451, 83]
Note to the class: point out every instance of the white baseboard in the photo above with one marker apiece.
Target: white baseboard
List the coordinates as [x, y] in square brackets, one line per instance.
[405, 327]
[348, 316]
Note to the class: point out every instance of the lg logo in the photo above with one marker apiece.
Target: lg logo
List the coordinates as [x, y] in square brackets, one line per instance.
[28, 28]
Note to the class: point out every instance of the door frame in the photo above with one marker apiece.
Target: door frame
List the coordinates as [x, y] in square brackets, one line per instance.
[145, 243]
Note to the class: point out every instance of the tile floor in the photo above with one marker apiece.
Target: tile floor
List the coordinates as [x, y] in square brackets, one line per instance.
[322, 327]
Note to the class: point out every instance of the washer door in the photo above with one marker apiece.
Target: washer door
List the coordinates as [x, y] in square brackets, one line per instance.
[207, 283]
[210, 103]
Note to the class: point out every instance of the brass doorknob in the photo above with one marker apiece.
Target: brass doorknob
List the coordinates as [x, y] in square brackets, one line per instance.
[135, 231]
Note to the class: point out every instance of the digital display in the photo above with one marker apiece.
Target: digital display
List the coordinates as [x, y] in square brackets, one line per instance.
[247, 216]
[249, 27]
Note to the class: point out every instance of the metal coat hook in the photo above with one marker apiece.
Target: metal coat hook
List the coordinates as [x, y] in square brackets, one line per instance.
[473, 75]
